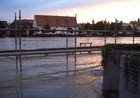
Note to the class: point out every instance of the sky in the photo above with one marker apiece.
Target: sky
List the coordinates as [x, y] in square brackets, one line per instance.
[84, 10]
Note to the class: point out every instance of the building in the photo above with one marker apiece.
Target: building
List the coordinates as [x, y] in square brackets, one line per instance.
[81, 26]
[125, 25]
[25, 23]
[55, 23]
[135, 24]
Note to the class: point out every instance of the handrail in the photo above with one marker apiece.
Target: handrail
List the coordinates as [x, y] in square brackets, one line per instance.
[13, 29]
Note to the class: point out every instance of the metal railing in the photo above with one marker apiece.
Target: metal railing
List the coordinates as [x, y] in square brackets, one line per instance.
[18, 35]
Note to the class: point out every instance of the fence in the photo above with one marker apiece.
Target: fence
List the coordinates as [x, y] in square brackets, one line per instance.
[18, 37]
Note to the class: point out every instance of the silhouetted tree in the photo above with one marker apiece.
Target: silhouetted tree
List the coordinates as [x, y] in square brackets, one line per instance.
[129, 27]
[116, 24]
[100, 25]
[88, 26]
[112, 26]
[47, 26]
[138, 19]
[108, 26]
[119, 25]
[31, 32]
[2, 26]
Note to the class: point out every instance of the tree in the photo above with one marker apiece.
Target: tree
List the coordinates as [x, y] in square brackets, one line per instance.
[47, 26]
[100, 25]
[138, 19]
[2, 26]
[31, 33]
[119, 25]
[129, 27]
[116, 25]
[112, 26]
[108, 26]
[88, 26]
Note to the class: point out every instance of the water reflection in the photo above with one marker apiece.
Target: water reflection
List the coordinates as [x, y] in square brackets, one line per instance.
[54, 42]
[19, 89]
[43, 68]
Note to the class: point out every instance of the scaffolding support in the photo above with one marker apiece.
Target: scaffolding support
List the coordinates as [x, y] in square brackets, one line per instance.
[133, 34]
[20, 41]
[115, 29]
[67, 61]
[75, 44]
[105, 33]
[16, 42]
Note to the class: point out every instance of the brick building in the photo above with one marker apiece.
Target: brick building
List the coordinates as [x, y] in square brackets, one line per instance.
[55, 22]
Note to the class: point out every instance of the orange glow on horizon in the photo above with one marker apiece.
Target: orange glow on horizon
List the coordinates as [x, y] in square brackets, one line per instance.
[125, 11]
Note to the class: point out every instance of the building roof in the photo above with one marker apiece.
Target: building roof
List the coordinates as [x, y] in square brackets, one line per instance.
[26, 21]
[136, 23]
[125, 24]
[55, 21]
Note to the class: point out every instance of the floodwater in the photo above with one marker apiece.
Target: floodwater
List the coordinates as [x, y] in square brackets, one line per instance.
[46, 76]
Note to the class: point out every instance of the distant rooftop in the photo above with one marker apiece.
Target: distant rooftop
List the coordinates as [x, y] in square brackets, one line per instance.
[55, 21]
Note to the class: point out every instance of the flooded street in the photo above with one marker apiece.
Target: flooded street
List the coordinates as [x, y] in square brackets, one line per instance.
[46, 76]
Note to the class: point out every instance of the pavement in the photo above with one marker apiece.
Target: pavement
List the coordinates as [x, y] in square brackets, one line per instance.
[84, 84]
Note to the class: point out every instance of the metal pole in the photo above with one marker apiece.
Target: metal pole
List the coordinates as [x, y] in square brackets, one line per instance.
[16, 42]
[20, 40]
[67, 45]
[75, 42]
[133, 33]
[115, 29]
[105, 33]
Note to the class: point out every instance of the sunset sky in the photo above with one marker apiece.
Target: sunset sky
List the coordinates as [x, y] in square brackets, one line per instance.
[86, 10]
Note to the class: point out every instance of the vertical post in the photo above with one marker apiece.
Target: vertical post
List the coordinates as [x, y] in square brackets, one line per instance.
[16, 42]
[105, 33]
[133, 33]
[20, 40]
[75, 42]
[67, 44]
[115, 29]
[67, 33]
